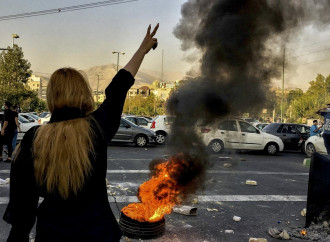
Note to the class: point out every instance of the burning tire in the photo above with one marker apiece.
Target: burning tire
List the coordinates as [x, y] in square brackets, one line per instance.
[141, 140]
[141, 230]
[216, 146]
[271, 148]
[160, 138]
[310, 150]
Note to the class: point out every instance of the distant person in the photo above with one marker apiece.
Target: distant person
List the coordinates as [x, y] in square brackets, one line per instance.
[315, 129]
[325, 112]
[65, 161]
[8, 130]
[18, 129]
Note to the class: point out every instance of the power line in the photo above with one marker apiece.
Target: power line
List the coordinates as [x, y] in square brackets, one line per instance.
[314, 62]
[310, 53]
[64, 9]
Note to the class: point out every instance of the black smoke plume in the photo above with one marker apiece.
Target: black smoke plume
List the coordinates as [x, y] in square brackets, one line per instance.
[241, 44]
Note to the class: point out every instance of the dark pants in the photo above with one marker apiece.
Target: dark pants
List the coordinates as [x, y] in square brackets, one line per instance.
[326, 138]
[7, 140]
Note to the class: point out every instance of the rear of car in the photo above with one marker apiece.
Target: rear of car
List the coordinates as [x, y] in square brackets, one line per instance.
[161, 125]
[314, 144]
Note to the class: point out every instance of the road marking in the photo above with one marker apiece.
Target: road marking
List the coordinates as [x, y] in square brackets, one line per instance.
[210, 172]
[215, 198]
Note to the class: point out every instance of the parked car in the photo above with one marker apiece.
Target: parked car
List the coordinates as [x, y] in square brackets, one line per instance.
[161, 125]
[260, 125]
[139, 121]
[44, 118]
[292, 135]
[128, 132]
[30, 117]
[238, 134]
[314, 144]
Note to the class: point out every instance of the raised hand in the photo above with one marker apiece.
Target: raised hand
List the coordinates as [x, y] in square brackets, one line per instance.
[149, 40]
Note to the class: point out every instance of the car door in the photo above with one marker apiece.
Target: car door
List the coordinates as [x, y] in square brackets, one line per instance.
[124, 133]
[289, 135]
[228, 129]
[251, 138]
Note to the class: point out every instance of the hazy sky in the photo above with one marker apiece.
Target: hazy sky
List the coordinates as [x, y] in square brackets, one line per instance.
[86, 38]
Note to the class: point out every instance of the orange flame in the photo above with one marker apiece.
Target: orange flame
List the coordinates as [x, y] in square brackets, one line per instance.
[303, 232]
[158, 195]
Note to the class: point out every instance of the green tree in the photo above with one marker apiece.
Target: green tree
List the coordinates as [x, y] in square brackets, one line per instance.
[14, 73]
[149, 105]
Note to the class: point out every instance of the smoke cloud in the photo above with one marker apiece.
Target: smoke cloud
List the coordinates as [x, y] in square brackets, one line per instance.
[241, 43]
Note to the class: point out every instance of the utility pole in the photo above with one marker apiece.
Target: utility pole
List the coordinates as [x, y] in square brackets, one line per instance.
[97, 87]
[117, 52]
[282, 87]
[162, 65]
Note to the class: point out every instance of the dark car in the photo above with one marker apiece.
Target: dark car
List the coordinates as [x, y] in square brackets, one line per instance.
[292, 135]
[131, 133]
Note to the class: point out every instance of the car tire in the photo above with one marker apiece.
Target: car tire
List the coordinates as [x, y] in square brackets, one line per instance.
[141, 140]
[216, 146]
[271, 148]
[310, 150]
[160, 138]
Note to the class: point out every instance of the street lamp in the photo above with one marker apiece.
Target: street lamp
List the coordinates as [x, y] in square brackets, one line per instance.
[15, 36]
[116, 52]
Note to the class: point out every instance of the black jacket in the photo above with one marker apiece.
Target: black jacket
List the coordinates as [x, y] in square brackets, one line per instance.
[85, 217]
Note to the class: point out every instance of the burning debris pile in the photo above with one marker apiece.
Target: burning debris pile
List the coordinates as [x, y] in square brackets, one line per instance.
[166, 188]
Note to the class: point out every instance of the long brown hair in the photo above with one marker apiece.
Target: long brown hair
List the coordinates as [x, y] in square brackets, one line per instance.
[61, 150]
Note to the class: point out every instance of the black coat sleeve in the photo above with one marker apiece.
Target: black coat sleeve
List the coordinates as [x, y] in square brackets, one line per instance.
[109, 113]
[22, 208]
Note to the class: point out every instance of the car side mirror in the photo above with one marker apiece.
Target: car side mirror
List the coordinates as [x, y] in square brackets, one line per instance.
[127, 126]
[258, 132]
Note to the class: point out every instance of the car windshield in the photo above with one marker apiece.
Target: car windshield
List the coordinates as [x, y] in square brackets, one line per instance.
[23, 120]
[44, 114]
[34, 116]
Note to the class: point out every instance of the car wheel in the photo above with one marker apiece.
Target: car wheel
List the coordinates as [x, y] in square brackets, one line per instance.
[310, 150]
[141, 141]
[216, 146]
[160, 138]
[271, 149]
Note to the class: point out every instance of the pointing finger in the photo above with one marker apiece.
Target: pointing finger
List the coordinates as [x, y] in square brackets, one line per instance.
[155, 30]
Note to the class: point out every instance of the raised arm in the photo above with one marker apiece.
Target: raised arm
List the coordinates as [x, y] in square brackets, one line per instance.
[149, 41]
[109, 113]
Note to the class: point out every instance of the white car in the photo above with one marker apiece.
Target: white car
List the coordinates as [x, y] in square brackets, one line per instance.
[314, 144]
[161, 125]
[238, 134]
[32, 118]
[25, 125]
[45, 118]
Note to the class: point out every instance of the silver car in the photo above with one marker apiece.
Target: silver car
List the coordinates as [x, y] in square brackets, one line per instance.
[131, 133]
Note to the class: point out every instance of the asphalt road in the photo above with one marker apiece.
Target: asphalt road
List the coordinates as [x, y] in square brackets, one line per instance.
[276, 201]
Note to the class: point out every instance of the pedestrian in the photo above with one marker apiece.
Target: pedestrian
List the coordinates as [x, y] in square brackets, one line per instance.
[8, 130]
[315, 129]
[18, 129]
[325, 112]
[65, 161]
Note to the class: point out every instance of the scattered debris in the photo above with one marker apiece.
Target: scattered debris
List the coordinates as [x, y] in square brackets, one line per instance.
[212, 209]
[145, 149]
[325, 224]
[226, 165]
[236, 218]
[106, 181]
[8, 180]
[3, 182]
[185, 210]
[303, 212]
[258, 240]
[251, 182]
[124, 189]
[307, 162]
[195, 201]
[278, 234]
[242, 159]
[229, 231]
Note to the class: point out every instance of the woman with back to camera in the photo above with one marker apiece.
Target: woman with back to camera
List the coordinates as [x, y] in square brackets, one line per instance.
[65, 161]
